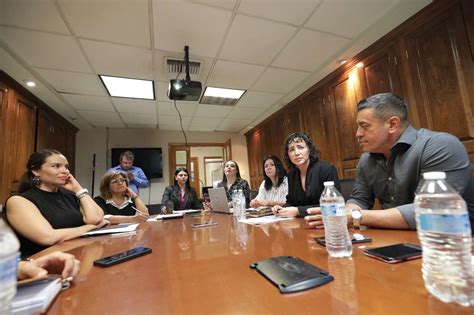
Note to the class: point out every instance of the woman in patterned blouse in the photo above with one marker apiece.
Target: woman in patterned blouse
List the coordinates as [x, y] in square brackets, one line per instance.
[231, 181]
[274, 188]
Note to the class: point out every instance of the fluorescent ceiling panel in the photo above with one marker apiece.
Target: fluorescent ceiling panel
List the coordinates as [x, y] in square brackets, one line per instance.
[129, 88]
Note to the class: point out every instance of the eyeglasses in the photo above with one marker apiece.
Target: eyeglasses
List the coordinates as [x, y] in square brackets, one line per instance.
[118, 180]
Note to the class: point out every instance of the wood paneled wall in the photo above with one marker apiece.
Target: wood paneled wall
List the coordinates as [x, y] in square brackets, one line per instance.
[27, 125]
[428, 60]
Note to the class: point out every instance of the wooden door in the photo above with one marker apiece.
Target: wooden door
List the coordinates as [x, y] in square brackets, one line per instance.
[194, 179]
[227, 150]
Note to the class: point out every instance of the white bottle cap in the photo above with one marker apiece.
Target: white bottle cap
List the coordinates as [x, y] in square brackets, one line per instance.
[434, 175]
[326, 184]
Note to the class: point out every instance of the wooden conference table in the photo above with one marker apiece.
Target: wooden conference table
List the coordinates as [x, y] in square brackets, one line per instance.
[206, 271]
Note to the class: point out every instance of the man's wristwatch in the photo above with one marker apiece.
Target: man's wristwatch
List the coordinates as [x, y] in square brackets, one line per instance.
[356, 217]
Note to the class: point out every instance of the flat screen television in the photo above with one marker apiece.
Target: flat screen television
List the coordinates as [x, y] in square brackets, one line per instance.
[148, 159]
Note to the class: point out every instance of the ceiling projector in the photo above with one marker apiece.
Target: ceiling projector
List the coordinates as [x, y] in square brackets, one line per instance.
[185, 90]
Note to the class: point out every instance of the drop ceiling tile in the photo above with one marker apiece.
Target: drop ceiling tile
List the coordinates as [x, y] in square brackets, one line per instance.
[34, 14]
[290, 11]
[279, 80]
[86, 102]
[225, 4]
[309, 50]
[162, 70]
[258, 99]
[121, 21]
[254, 40]
[185, 108]
[173, 121]
[179, 23]
[233, 125]
[95, 117]
[212, 111]
[142, 119]
[46, 50]
[204, 124]
[119, 60]
[73, 82]
[108, 124]
[234, 75]
[141, 126]
[245, 113]
[161, 91]
[127, 105]
[347, 17]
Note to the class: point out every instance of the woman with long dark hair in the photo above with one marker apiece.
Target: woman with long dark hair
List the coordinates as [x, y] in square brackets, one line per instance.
[119, 202]
[306, 176]
[181, 194]
[231, 181]
[274, 188]
[51, 206]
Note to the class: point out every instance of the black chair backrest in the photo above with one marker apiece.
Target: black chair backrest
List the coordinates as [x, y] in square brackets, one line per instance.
[253, 194]
[154, 209]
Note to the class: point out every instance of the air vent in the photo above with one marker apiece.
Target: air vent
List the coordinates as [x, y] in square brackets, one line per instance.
[175, 66]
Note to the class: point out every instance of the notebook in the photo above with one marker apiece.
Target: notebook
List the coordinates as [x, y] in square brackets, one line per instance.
[119, 228]
[219, 201]
[36, 297]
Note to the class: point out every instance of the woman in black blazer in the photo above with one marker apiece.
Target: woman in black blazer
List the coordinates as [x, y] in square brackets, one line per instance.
[306, 176]
[181, 193]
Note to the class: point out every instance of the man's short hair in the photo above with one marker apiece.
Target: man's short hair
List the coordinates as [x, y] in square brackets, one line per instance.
[385, 105]
[128, 154]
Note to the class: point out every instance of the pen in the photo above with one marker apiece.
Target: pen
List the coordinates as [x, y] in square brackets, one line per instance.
[139, 212]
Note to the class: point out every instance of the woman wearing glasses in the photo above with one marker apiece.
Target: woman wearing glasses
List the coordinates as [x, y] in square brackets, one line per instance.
[181, 195]
[119, 202]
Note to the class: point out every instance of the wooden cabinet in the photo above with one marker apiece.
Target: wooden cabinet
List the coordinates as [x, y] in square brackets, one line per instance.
[27, 125]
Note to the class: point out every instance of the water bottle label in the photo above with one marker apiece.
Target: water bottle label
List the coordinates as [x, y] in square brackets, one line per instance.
[8, 267]
[333, 210]
[445, 223]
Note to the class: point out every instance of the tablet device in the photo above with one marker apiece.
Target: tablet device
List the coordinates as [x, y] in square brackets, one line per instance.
[395, 253]
[219, 201]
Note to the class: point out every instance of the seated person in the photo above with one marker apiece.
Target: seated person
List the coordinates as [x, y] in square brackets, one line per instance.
[231, 181]
[51, 206]
[181, 194]
[394, 159]
[60, 263]
[274, 188]
[119, 203]
[306, 176]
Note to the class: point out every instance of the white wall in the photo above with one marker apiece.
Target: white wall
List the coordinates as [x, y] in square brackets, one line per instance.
[90, 141]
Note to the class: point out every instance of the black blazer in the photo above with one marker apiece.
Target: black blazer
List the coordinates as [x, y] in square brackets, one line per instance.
[172, 193]
[317, 174]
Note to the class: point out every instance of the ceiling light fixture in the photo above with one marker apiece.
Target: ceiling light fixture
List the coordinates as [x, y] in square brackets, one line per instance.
[360, 65]
[128, 88]
[342, 61]
[30, 83]
[220, 96]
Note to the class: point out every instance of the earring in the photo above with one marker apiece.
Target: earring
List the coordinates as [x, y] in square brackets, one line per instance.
[36, 180]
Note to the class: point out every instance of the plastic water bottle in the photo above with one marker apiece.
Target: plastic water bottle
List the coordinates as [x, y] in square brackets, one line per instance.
[445, 235]
[9, 254]
[236, 203]
[333, 210]
[243, 204]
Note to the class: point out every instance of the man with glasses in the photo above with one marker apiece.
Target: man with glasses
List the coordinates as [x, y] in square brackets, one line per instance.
[136, 176]
[394, 159]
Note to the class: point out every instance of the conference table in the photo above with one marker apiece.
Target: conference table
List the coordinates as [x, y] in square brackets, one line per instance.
[206, 271]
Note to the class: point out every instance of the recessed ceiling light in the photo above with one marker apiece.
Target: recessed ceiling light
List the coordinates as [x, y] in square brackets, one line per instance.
[30, 83]
[360, 65]
[220, 96]
[129, 88]
[342, 61]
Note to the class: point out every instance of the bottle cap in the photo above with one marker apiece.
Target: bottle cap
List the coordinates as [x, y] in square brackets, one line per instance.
[434, 175]
[326, 184]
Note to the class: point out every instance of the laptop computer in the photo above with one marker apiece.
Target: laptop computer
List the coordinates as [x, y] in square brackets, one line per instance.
[219, 201]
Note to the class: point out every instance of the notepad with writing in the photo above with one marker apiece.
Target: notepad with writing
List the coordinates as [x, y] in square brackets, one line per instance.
[36, 297]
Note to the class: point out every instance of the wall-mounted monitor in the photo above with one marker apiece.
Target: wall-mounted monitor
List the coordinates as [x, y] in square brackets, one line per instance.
[148, 159]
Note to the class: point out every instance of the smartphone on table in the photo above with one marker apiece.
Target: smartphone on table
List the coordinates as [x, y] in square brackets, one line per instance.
[121, 257]
[356, 238]
[395, 253]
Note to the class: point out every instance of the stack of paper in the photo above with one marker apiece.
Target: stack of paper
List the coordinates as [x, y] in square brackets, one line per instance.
[36, 298]
[259, 212]
[119, 228]
[173, 215]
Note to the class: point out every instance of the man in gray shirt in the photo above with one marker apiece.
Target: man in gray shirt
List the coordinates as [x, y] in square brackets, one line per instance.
[396, 156]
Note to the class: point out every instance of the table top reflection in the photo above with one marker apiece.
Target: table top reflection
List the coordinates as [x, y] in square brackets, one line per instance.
[206, 271]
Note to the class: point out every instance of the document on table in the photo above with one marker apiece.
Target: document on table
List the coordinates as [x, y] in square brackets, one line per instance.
[187, 211]
[158, 217]
[119, 228]
[264, 220]
[35, 298]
